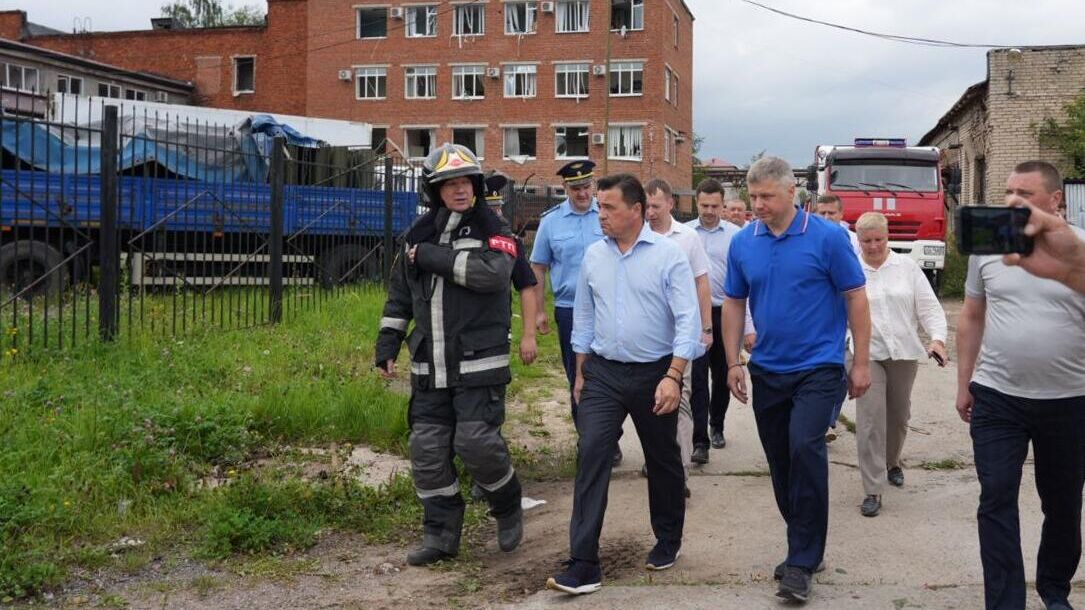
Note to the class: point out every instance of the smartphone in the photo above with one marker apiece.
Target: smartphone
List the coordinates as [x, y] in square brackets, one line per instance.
[938, 359]
[983, 229]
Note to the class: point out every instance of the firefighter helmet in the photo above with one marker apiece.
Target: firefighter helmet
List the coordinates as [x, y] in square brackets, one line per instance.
[451, 161]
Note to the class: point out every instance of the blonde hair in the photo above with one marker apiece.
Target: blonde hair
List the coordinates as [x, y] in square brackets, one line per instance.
[872, 221]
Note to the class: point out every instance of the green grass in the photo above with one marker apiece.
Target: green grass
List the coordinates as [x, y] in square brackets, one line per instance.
[945, 464]
[113, 440]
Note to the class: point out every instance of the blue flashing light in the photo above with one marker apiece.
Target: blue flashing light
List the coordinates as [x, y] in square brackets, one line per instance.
[881, 142]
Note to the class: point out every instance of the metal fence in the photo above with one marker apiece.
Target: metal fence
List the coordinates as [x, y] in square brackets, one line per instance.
[122, 222]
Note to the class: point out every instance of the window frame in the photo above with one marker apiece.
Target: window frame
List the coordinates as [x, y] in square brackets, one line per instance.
[514, 70]
[564, 135]
[633, 5]
[559, 22]
[109, 89]
[137, 95]
[407, 144]
[237, 73]
[379, 72]
[531, 12]
[613, 141]
[411, 72]
[562, 73]
[69, 79]
[23, 70]
[504, 142]
[358, 22]
[459, 71]
[458, 21]
[621, 67]
[667, 74]
[431, 19]
[480, 138]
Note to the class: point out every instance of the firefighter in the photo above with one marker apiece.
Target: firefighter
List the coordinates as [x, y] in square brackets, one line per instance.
[453, 281]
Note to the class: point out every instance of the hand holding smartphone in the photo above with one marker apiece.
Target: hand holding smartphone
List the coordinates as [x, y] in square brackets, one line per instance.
[983, 229]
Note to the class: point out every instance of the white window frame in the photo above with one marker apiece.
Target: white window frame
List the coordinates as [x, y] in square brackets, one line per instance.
[137, 95]
[564, 130]
[677, 25]
[432, 129]
[459, 19]
[622, 135]
[411, 76]
[528, 73]
[674, 90]
[460, 74]
[634, 5]
[23, 72]
[623, 67]
[479, 147]
[569, 73]
[668, 145]
[68, 80]
[667, 74]
[583, 8]
[110, 89]
[531, 12]
[410, 17]
[358, 22]
[505, 141]
[238, 91]
[367, 72]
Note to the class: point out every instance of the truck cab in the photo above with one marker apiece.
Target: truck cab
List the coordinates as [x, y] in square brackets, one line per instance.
[903, 183]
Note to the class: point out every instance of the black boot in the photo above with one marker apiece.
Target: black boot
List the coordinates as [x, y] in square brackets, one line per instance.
[424, 556]
[510, 530]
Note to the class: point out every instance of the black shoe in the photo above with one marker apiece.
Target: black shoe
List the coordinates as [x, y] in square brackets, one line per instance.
[510, 531]
[778, 571]
[424, 556]
[617, 459]
[687, 492]
[795, 585]
[663, 555]
[871, 506]
[1058, 605]
[718, 442]
[578, 578]
[896, 477]
[700, 455]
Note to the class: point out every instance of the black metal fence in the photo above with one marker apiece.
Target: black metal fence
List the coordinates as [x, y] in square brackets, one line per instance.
[127, 221]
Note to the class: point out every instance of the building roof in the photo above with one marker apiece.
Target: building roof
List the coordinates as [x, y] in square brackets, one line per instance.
[970, 96]
[718, 163]
[36, 29]
[93, 65]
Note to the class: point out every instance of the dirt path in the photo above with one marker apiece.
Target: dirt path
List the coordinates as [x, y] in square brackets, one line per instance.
[921, 552]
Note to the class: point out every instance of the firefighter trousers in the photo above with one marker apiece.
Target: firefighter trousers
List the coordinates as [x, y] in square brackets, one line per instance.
[463, 421]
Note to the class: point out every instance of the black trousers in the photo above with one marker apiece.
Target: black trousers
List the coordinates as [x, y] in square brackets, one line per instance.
[1002, 427]
[563, 316]
[710, 410]
[611, 391]
[464, 421]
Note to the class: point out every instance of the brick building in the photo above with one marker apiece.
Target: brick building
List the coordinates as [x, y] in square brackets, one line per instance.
[526, 83]
[992, 127]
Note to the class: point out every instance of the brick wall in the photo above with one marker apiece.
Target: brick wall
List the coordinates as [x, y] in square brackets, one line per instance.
[12, 24]
[205, 57]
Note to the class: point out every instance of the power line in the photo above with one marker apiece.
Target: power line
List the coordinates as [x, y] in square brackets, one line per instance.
[928, 42]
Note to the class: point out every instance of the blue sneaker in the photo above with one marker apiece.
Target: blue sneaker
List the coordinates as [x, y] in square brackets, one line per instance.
[579, 577]
[663, 555]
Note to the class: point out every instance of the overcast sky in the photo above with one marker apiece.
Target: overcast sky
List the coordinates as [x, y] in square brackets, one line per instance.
[767, 82]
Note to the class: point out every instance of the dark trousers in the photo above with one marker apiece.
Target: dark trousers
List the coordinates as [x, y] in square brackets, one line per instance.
[791, 410]
[564, 318]
[611, 391]
[1002, 427]
[465, 422]
[710, 411]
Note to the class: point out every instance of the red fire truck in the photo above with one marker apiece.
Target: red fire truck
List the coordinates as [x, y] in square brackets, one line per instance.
[888, 176]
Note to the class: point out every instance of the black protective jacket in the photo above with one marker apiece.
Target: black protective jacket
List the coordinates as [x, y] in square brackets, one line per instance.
[457, 294]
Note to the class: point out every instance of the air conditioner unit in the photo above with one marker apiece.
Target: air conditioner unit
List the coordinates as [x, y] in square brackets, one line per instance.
[345, 75]
[546, 7]
[598, 139]
[493, 72]
[161, 96]
[599, 70]
[396, 12]
[679, 138]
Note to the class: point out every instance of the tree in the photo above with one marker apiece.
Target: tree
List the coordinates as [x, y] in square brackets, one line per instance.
[698, 165]
[188, 14]
[1068, 137]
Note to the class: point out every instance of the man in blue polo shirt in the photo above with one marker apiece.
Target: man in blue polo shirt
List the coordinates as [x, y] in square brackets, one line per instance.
[565, 232]
[805, 287]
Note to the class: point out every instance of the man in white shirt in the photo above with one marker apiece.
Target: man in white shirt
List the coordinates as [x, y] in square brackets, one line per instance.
[736, 212]
[1021, 381]
[660, 206]
[831, 208]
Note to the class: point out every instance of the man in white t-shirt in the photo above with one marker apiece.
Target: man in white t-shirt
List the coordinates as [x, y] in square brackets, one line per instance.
[1021, 380]
[658, 214]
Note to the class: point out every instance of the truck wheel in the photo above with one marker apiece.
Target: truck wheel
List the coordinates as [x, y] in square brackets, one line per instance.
[340, 265]
[934, 276]
[24, 263]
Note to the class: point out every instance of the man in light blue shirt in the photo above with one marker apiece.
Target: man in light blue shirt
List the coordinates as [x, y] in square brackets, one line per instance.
[636, 327]
[565, 232]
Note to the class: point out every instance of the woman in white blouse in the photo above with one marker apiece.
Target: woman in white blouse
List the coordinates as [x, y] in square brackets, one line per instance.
[901, 300]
